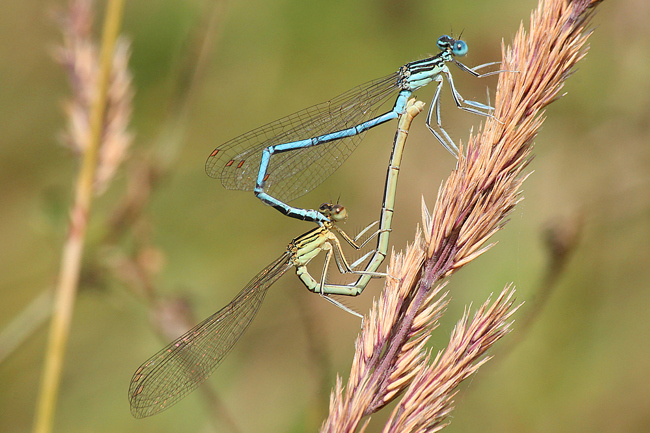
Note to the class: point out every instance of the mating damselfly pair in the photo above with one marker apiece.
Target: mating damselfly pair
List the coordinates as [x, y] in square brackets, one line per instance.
[280, 162]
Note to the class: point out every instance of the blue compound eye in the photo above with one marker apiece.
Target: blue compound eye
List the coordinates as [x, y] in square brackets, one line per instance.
[444, 42]
[460, 48]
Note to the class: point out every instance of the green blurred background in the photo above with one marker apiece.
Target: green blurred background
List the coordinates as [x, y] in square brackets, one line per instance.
[577, 359]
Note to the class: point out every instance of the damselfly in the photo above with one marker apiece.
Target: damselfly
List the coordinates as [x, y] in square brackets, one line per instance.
[184, 364]
[287, 158]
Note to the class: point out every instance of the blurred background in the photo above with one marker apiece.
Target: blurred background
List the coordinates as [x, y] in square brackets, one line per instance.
[576, 247]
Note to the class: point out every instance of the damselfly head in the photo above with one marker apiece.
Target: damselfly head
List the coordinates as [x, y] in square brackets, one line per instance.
[457, 47]
[335, 212]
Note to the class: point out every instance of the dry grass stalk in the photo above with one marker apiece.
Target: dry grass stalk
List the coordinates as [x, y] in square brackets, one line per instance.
[472, 205]
[95, 124]
[79, 55]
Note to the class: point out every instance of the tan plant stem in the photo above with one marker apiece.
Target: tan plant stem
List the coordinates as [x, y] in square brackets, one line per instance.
[73, 249]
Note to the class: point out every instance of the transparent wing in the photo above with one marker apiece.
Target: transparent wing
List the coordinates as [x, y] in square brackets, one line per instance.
[292, 174]
[184, 364]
